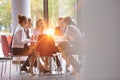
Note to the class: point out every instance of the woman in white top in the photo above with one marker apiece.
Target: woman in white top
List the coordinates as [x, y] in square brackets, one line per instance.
[20, 39]
[71, 43]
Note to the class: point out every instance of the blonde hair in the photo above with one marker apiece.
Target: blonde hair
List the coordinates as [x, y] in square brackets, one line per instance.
[39, 20]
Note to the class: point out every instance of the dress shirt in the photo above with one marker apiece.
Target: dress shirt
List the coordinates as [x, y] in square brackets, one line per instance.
[20, 38]
[73, 36]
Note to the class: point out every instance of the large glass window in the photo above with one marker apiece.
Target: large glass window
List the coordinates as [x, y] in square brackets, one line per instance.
[56, 9]
[61, 8]
[5, 16]
[36, 10]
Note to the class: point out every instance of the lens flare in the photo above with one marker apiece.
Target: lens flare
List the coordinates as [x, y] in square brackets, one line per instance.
[50, 31]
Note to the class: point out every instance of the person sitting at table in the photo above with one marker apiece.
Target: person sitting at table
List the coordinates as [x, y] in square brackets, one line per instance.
[70, 44]
[21, 39]
[45, 46]
[41, 44]
[59, 29]
[39, 30]
[31, 60]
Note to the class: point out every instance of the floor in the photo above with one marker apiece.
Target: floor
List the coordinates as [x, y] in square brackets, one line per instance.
[15, 75]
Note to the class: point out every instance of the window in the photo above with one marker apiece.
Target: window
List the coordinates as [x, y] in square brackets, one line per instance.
[36, 10]
[61, 8]
[56, 9]
[5, 16]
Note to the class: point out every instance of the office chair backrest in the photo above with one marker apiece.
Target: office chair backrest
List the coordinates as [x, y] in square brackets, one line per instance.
[5, 45]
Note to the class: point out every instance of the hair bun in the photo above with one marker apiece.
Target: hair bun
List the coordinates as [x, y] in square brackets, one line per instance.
[19, 16]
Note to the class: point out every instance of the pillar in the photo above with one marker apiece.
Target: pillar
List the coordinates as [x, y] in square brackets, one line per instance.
[19, 7]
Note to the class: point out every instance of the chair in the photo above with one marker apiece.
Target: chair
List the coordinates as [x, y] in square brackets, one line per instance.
[7, 55]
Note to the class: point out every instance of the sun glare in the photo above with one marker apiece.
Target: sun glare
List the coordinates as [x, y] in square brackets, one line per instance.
[50, 31]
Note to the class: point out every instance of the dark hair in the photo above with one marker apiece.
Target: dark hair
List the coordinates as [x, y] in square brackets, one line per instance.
[68, 20]
[21, 18]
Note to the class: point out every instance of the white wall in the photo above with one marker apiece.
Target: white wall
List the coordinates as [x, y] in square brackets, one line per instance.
[100, 21]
